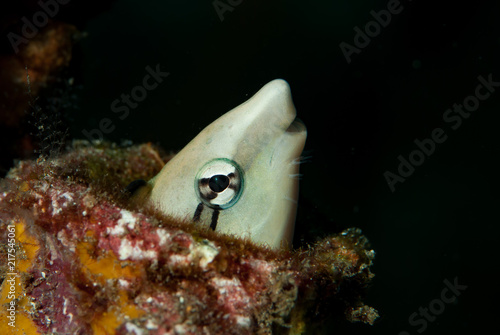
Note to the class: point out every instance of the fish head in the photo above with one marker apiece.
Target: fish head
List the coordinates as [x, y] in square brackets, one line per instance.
[238, 176]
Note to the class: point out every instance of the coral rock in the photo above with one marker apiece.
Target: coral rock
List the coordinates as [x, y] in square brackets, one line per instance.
[88, 262]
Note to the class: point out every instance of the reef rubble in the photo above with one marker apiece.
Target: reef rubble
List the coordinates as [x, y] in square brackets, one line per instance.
[89, 262]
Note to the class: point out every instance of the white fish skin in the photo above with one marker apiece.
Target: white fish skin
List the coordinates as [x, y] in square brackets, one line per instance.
[256, 144]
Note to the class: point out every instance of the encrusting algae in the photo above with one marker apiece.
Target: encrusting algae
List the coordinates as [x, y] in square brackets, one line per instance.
[89, 262]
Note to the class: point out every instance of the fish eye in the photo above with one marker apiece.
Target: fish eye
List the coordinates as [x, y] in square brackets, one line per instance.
[219, 183]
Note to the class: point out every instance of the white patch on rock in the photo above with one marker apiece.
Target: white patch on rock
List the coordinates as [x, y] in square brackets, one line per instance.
[163, 235]
[226, 286]
[235, 299]
[223, 282]
[175, 260]
[180, 329]
[127, 220]
[150, 324]
[70, 315]
[65, 305]
[133, 329]
[65, 241]
[55, 207]
[263, 267]
[89, 201]
[43, 187]
[127, 251]
[205, 252]
[68, 197]
[64, 199]
[243, 321]
[124, 283]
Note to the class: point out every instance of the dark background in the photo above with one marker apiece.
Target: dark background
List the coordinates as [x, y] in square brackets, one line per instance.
[439, 224]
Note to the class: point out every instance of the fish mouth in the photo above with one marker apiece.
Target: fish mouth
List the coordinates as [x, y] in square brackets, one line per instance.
[297, 126]
[290, 144]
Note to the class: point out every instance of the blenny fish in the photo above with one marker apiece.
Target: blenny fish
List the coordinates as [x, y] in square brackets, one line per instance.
[238, 176]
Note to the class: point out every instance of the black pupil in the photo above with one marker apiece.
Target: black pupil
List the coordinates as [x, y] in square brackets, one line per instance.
[218, 183]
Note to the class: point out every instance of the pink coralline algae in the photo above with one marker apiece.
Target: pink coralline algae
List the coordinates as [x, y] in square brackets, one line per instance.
[89, 262]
